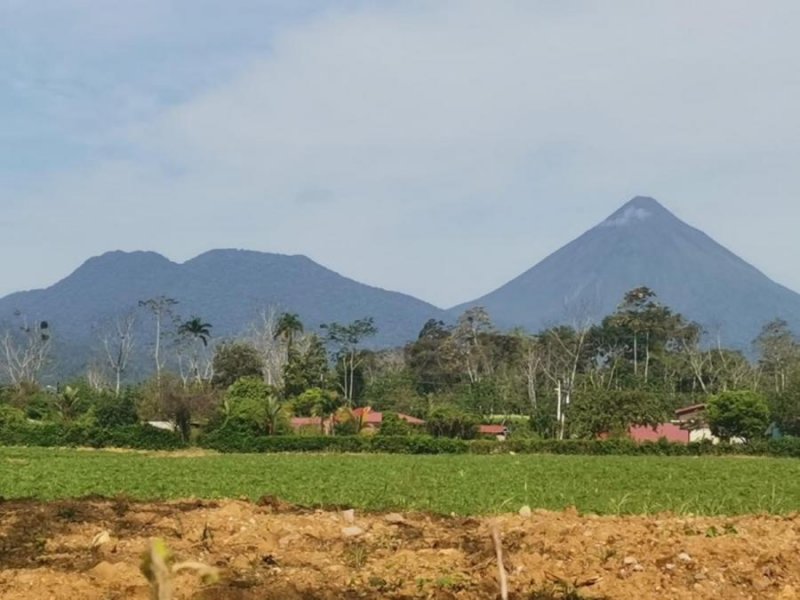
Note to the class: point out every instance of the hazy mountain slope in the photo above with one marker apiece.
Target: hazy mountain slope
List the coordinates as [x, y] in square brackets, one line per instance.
[644, 244]
[228, 288]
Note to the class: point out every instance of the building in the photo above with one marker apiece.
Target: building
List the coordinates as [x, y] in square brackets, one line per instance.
[370, 421]
[669, 431]
[499, 432]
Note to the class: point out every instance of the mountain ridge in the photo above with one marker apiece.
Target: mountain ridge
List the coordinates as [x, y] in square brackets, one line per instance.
[641, 243]
[226, 287]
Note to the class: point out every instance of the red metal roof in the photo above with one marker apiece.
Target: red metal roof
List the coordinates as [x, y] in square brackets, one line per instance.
[492, 429]
[364, 414]
[367, 416]
[298, 422]
[671, 432]
[690, 409]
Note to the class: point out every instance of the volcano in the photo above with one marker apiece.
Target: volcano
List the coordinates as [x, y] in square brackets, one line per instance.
[644, 244]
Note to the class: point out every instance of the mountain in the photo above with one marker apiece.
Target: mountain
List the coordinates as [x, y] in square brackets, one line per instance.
[227, 288]
[644, 244]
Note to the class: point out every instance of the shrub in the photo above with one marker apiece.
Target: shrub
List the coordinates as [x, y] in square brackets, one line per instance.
[10, 415]
[448, 422]
[143, 437]
[111, 411]
[393, 425]
[738, 415]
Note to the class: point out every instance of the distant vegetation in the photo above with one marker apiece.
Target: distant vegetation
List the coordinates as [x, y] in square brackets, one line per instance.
[569, 382]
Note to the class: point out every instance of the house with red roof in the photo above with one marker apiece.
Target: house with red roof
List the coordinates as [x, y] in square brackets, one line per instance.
[498, 432]
[370, 420]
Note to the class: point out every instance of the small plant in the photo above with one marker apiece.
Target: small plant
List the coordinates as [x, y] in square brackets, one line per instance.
[559, 588]
[356, 556]
[159, 567]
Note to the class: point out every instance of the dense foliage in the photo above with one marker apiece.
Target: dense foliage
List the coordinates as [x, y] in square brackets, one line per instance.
[633, 368]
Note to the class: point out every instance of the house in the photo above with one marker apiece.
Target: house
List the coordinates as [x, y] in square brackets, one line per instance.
[691, 415]
[370, 421]
[499, 432]
[310, 424]
[669, 431]
[693, 419]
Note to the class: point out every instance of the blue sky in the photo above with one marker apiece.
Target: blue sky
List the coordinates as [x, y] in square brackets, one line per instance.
[437, 148]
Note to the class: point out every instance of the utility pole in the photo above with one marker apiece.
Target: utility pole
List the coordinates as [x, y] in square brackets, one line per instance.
[558, 411]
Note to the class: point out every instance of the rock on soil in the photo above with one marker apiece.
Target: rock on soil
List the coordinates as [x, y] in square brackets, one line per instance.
[91, 550]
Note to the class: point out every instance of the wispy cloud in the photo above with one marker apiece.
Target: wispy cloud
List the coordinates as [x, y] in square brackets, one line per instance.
[400, 144]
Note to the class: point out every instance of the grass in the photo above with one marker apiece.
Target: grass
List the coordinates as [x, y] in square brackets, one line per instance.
[461, 484]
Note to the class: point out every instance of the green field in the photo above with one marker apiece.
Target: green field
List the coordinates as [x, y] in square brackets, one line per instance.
[461, 484]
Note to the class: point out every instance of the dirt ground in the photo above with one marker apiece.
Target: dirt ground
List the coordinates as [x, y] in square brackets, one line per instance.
[272, 551]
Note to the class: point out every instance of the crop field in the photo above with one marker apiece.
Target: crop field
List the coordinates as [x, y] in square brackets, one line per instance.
[74, 524]
[460, 484]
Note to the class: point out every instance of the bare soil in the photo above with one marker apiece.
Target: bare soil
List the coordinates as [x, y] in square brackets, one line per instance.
[270, 551]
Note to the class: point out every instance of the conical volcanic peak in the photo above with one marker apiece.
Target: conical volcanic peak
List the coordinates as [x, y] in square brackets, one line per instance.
[643, 244]
[640, 209]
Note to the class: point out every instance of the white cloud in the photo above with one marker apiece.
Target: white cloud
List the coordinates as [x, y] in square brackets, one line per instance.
[442, 148]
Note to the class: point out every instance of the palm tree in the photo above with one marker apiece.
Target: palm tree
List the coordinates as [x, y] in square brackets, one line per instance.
[289, 325]
[326, 408]
[196, 328]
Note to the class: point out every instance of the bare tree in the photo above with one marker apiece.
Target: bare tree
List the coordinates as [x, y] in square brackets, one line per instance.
[194, 365]
[532, 367]
[25, 351]
[346, 340]
[263, 336]
[96, 375]
[118, 344]
[472, 325]
[564, 348]
[161, 308]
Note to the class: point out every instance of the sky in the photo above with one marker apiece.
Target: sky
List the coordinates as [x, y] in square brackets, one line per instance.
[438, 148]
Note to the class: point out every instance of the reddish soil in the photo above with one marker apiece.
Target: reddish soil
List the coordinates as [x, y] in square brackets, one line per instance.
[270, 551]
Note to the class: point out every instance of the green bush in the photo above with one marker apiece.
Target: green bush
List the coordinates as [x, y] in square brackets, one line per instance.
[10, 415]
[393, 425]
[142, 437]
[740, 414]
[452, 423]
[112, 411]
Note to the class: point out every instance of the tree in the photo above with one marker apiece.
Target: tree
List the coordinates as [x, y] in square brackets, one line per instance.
[270, 347]
[195, 330]
[614, 412]
[563, 350]
[118, 343]
[394, 425]
[234, 361]
[449, 422]
[431, 358]
[346, 339]
[468, 336]
[251, 400]
[307, 367]
[741, 414]
[67, 403]
[24, 351]
[160, 307]
[780, 352]
[288, 327]
[327, 405]
[116, 411]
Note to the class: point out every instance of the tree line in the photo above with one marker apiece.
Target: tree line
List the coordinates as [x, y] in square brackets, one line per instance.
[579, 380]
